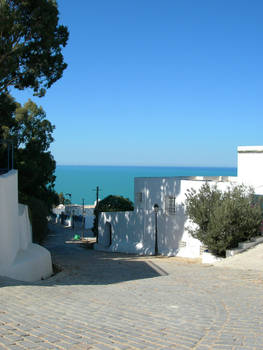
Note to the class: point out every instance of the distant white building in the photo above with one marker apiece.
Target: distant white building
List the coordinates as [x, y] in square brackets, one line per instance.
[86, 211]
[135, 231]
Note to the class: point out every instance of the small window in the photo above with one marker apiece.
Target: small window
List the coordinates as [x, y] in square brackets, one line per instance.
[139, 197]
[182, 244]
[170, 205]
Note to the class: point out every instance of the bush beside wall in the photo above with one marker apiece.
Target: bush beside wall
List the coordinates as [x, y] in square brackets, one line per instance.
[223, 219]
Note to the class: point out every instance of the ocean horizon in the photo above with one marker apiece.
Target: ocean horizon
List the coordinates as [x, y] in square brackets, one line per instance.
[81, 180]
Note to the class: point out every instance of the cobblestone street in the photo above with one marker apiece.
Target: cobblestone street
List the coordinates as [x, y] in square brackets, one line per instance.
[112, 301]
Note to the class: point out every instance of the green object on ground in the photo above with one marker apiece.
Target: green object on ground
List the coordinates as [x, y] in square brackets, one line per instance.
[76, 237]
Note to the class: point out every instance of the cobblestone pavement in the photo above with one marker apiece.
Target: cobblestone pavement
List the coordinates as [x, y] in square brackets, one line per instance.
[112, 301]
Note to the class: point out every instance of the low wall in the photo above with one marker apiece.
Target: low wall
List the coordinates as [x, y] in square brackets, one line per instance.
[19, 257]
[127, 232]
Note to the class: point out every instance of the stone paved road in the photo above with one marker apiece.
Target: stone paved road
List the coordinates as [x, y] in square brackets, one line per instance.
[109, 301]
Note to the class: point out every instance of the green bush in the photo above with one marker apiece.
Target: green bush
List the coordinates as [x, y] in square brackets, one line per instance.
[38, 213]
[223, 219]
[115, 203]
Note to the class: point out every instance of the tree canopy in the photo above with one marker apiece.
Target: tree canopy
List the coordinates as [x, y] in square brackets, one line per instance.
[31, 41]
[31, 134]
[115, 203]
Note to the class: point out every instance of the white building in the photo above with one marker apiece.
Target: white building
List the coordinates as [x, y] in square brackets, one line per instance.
[19, 257]
[135, 232]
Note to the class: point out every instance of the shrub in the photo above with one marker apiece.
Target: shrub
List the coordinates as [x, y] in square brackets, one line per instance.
[223, 218]
[38, 213]
[115, 203]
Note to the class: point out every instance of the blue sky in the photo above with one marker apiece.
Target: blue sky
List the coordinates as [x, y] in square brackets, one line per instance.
[158, 82]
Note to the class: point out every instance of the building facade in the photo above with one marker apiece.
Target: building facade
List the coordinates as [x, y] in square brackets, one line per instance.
[142, 230]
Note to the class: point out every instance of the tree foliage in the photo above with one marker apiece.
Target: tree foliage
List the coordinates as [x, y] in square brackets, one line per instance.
[61, 198]
[223, 219]
[115, 203]
[31, 133]
[31, 41]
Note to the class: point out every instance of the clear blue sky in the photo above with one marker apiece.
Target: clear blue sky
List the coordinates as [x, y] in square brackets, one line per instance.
[150, 82]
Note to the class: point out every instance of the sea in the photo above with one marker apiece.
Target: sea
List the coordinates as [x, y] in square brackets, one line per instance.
[81, 181]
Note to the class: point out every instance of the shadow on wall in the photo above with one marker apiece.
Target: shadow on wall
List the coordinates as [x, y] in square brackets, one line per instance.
[171, 217]
[125, 232]
[170, 230]
[135, 232]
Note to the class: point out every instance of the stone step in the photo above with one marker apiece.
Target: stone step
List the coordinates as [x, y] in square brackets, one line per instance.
[208, 258]
[242, 246]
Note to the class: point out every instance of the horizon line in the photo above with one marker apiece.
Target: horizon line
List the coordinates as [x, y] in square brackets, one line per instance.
[149, 166]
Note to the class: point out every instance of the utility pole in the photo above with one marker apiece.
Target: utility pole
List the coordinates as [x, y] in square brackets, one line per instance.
[97, 211]
[156, 208]
[83, 221]
[97, 194]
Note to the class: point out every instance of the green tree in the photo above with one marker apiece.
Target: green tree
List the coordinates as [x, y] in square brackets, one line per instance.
[7, 123]
[31, 41]
[31, 134]
[115, 203]
[223, 219]
[61, 198]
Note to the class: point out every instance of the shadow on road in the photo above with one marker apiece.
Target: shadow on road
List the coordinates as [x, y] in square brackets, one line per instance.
[82, 266]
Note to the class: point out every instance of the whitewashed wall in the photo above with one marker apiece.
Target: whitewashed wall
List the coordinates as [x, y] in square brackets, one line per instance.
[9, 225]
[250, 167]
[131, 232]
[134, 232]
[19, 257]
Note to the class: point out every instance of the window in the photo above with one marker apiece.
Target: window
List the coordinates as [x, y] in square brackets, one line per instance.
[182, 244]
[170, 205]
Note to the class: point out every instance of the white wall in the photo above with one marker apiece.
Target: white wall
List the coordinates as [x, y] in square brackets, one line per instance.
[25, 230]
[134, 232]
[9, 226]
[250, 167]
[19, 257]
